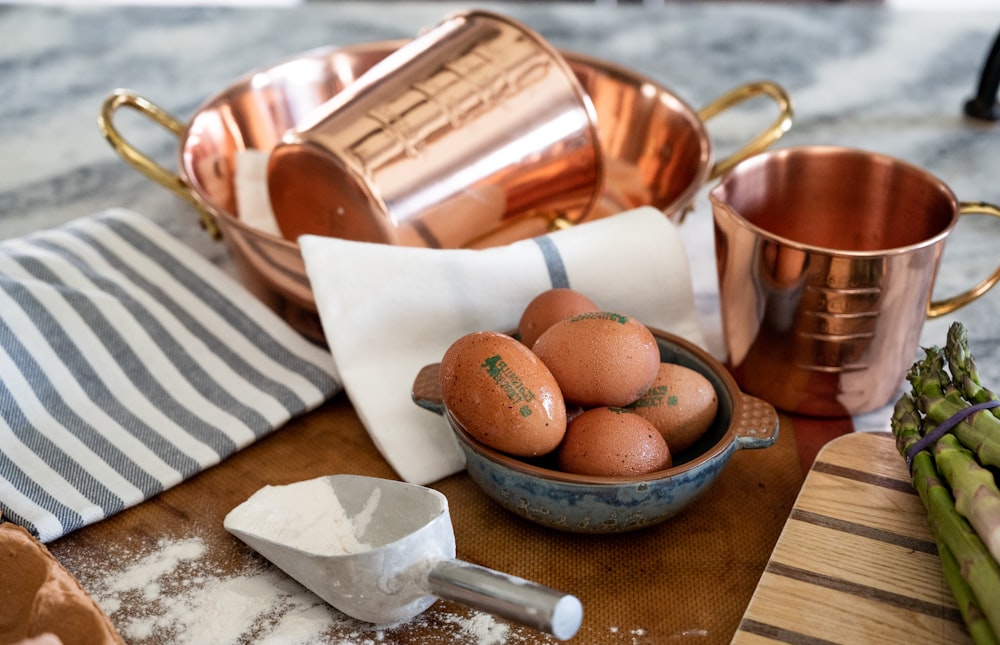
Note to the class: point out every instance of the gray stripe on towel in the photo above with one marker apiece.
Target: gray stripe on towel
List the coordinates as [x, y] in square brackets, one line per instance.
[228, 310]
[133, 364]
[186, 364]
[48, 451]
[553, 262]
[68, 519]
[77, 366]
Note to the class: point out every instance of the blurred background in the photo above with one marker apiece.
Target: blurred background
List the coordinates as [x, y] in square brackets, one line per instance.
[917, 5]
[926, 5]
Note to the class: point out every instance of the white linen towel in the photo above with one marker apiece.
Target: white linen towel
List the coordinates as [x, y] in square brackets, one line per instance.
[388, 310]
[129, 363]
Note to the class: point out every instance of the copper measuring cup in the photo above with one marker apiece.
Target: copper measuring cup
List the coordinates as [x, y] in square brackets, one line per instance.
[827, 258]
[474, 124]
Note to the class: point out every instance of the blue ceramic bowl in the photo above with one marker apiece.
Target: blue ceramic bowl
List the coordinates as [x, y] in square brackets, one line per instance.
[587, 504]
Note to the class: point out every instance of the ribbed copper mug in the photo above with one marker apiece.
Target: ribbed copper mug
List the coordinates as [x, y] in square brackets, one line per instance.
[474, 126]
[827, 258]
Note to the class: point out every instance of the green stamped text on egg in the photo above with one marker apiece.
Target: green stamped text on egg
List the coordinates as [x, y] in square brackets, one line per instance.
[601, 315]
[509, 381]
[655, 397]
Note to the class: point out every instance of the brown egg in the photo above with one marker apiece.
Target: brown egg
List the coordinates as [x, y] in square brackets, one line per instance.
[681, 404]
[548, 308]
[612, 442]
[503, 394]
[600, 358]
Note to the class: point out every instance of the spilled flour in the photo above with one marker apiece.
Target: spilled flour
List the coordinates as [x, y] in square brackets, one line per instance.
[175, 594]
[179, 593]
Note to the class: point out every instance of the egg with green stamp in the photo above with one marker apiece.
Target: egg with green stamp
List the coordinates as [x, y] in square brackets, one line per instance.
[681, 404]
[502, 394]
[600, 358]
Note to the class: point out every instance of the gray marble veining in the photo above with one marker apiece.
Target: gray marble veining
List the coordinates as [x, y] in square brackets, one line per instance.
[859, 75]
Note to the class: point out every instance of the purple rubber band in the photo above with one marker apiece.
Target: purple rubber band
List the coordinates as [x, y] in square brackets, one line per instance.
[928, 439]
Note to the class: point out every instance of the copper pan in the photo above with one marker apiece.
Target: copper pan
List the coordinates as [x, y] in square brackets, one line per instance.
[656, 149]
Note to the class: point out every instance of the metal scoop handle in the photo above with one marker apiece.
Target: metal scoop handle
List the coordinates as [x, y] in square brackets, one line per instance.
[500, 594]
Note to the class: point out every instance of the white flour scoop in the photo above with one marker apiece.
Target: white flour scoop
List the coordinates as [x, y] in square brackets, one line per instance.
[383, 551]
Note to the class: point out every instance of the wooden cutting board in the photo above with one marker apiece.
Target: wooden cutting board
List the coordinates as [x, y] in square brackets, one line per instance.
[856, 561]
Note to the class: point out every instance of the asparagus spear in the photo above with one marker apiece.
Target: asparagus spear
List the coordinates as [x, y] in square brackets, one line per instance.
[972, 614]
[964, 374]
[975, 564]
[976, 495]
[939, 400]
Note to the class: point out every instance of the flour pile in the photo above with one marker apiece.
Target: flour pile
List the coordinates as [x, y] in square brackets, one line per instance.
[307, 515]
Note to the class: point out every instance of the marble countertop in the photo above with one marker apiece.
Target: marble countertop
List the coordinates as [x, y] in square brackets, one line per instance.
[859, 75]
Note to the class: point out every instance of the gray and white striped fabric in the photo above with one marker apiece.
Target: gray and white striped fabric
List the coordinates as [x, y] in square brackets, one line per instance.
[129, 363]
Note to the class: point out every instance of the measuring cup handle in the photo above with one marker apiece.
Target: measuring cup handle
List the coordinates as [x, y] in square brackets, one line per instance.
[936, 308]
[520, 600]
[122, 98]
[763, 140]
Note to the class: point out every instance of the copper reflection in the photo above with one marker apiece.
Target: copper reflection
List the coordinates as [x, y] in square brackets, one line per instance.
[827, 258]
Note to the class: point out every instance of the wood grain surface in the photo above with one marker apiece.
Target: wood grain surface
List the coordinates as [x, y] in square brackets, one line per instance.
[856, 562]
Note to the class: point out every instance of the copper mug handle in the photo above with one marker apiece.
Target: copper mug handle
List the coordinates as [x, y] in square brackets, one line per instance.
[732, 98]
[122, 98]
[936, 308]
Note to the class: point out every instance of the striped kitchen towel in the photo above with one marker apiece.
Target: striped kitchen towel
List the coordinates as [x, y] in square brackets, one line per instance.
[129, 363]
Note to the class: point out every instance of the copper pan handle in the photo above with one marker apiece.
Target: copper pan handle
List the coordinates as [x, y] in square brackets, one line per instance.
[936, 308]
[763, 140]
[121, 98]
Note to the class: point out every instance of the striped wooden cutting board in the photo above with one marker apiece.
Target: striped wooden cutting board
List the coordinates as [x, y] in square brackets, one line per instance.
[856, 561]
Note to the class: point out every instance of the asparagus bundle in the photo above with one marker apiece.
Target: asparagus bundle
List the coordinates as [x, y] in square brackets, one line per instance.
[950, 442]
[940, 400]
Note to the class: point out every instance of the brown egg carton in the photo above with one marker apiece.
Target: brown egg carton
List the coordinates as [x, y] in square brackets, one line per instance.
[40, 601]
